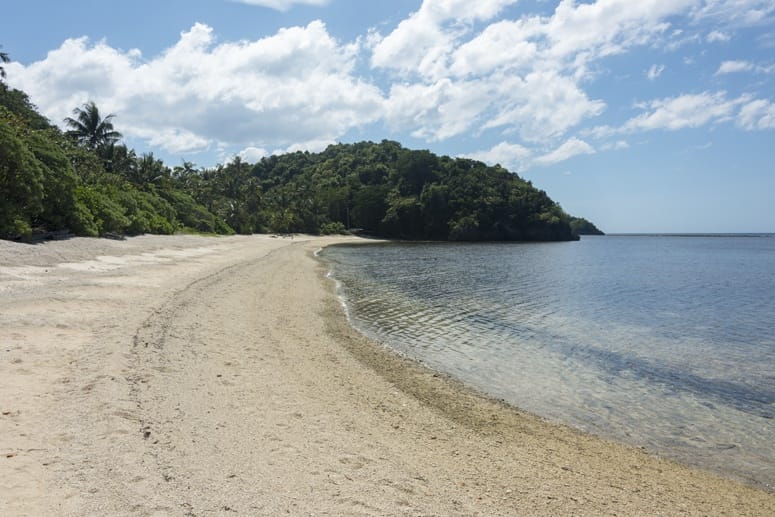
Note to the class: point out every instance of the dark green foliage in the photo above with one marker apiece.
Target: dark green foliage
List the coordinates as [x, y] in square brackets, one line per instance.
[21, 184]
[18, 103]
[386, 190]
[93, 185]
[59, 180]
[193, 215]
[48, 182]
[581, 226]
[108, 216]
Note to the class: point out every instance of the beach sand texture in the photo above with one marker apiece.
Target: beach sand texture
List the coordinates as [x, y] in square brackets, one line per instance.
[190, 375]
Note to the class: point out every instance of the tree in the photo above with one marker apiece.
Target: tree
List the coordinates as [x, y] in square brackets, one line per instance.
[21, 183]
[89, 129]
[3, 59]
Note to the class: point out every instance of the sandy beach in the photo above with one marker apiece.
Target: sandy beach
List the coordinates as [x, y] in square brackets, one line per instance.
[191, 375]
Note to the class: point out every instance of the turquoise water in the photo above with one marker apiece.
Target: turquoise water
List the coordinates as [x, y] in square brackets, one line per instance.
[666, 342]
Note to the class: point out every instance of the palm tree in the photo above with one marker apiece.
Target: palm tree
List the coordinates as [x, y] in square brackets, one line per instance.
[89, 129]
[3, 59]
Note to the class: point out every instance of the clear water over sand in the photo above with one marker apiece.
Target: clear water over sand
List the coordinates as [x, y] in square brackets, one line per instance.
[665, 342]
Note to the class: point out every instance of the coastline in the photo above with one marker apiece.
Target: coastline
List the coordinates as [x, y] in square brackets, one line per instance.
[216, 375]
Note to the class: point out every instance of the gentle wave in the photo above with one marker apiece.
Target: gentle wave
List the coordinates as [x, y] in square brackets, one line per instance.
[662, 342]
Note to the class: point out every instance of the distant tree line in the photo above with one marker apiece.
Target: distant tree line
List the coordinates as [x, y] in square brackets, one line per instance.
[86, 181]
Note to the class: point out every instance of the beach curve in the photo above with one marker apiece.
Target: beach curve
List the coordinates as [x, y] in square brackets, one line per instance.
[191, 375]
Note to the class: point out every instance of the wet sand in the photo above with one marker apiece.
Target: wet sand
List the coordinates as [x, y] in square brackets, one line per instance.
[218, 376]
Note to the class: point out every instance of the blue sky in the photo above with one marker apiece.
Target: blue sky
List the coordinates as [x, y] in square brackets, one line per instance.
[648, 116]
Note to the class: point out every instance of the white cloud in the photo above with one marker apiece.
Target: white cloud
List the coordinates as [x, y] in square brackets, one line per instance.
[735, 13]
[502, 45]
[718, 37]
[511, 156]
[655, 71]
[175, 140]
[693, 111]
[520, 76]
[618, 24]
[541, 106]
[730, 67]
[283, 5]
[451, 68]
[253, 154]
[422, 43]
[439, 110]
[757, 114]
[312, 146]
[572, 147]
[527, 76]
[684, 111]
[564, 40]
[295, 86]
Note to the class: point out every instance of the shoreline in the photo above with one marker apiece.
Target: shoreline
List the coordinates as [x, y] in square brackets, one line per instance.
[220, 375]
[705, 460]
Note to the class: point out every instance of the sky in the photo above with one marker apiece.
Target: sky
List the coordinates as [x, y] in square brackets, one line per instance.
[642, 116]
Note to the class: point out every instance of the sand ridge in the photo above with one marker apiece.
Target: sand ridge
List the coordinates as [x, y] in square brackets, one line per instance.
[217, 376]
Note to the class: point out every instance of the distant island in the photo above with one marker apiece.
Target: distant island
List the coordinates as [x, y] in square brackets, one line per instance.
[85, 182]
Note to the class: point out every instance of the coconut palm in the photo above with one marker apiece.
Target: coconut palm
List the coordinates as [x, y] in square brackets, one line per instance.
[89, 129]
[3, 59]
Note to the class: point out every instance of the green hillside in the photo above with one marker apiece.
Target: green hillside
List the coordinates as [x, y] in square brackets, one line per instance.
[88, 183]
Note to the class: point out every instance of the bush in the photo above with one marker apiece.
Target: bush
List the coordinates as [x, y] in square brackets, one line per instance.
[335, 228]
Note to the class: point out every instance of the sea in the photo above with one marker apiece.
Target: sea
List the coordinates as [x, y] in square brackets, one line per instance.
[665, 342]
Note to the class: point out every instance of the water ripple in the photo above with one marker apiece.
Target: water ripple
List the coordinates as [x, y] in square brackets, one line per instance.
[663, 342]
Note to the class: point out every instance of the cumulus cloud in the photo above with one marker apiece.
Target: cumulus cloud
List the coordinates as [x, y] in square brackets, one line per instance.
[619, 24]
[543, 105]
[253, 154]
[512, 156]
[684, 111]
[521, 76]
[297, 85]
[572, 147]
[438, 110]
[283, 5]
[564, 40]
[731, 67]
[503, 45]
[452, 68]
[422, 43]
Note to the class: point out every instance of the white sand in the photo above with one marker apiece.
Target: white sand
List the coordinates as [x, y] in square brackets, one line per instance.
[217, 376]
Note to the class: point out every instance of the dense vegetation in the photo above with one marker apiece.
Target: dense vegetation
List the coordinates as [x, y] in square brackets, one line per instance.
[84, 180]
[581, 226]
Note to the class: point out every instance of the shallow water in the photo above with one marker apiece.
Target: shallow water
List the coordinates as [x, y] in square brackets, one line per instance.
[664, 342]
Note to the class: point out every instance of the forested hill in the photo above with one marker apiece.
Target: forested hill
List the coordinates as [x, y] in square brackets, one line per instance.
[390, 191]
[87, 182]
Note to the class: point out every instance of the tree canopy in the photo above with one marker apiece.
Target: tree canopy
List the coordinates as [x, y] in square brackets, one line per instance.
[89, 183]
